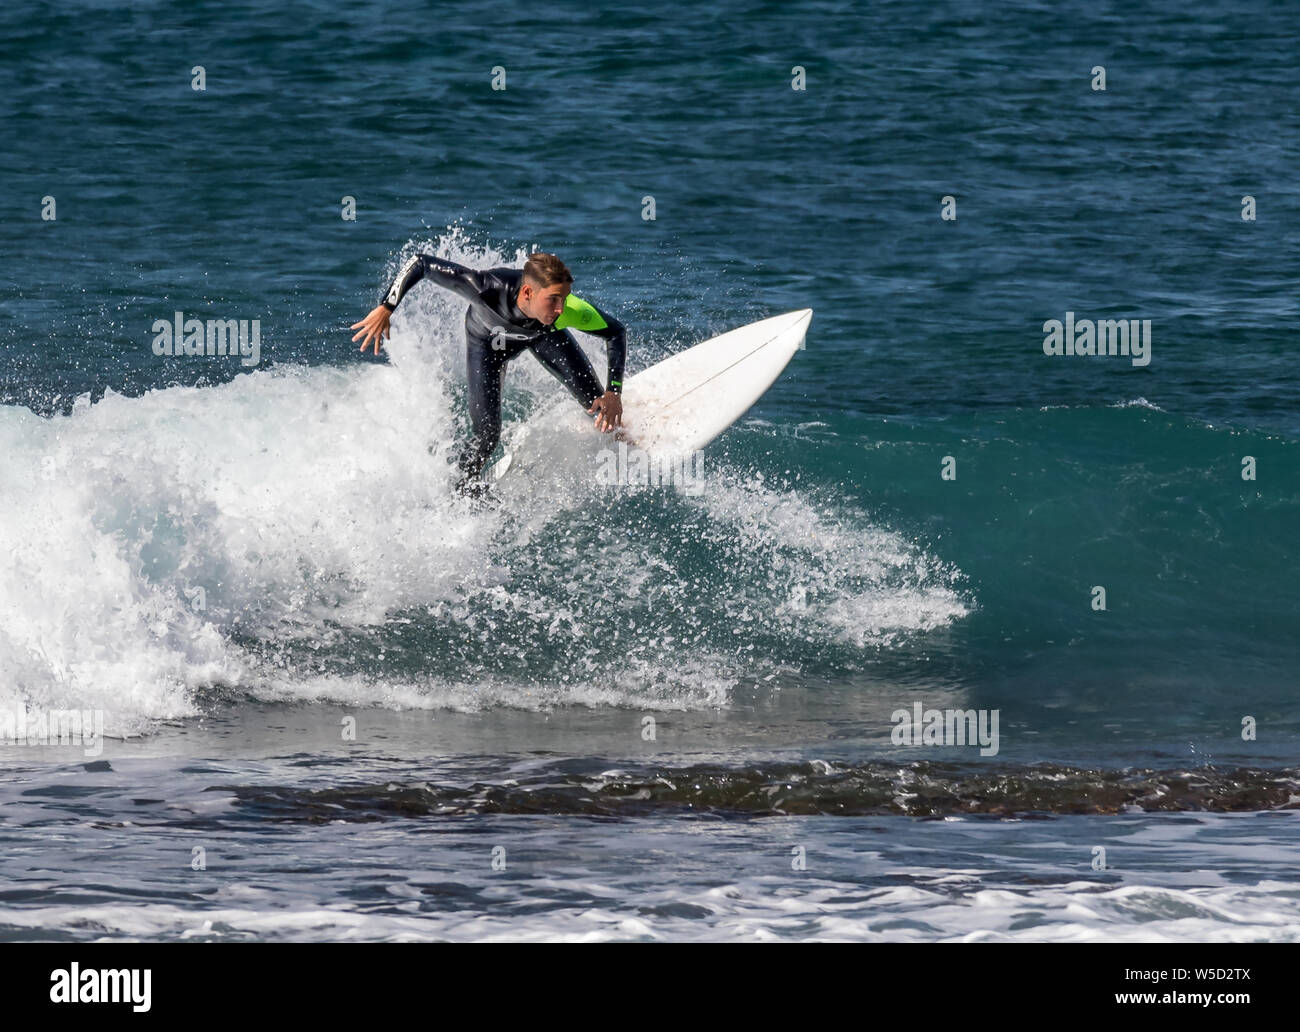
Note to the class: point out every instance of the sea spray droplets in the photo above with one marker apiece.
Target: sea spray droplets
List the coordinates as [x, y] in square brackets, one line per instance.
[836, 573]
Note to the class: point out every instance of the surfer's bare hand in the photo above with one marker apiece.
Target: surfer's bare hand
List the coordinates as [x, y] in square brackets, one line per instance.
[609, 409]
[373, 326]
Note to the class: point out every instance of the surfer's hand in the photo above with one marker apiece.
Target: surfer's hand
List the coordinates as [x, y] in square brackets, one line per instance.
[374, 325]
[609, 409]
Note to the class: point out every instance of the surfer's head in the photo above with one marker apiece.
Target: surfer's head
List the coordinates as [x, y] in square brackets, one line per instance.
[544, 287]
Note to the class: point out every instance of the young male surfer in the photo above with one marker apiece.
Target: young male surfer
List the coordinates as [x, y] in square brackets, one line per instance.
[512, 311]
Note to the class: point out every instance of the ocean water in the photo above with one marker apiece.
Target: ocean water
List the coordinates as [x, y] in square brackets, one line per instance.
[338, 702]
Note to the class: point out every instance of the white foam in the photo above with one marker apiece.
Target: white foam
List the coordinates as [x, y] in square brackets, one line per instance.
[1138, 403]
[749, 909]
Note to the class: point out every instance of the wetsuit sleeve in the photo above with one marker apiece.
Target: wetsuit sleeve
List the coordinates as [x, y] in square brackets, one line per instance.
[616, 348]
[465, 282]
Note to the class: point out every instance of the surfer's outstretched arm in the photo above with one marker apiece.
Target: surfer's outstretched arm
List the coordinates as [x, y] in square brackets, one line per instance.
[466, 282]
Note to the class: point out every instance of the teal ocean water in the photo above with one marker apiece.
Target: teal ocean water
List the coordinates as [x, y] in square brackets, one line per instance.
[254, 576]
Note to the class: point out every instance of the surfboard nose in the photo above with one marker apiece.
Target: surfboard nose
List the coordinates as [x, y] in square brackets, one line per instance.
[802, 319]
[799, 318]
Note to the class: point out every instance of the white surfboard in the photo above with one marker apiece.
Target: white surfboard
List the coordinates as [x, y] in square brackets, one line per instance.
[677, 405]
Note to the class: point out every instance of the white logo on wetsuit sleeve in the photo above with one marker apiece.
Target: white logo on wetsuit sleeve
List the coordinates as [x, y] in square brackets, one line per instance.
[395, 294]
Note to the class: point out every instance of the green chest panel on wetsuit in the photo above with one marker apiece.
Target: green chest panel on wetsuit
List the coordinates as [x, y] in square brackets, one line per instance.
[579, 315]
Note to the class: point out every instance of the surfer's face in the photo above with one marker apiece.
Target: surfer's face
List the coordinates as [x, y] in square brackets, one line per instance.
[542, 303]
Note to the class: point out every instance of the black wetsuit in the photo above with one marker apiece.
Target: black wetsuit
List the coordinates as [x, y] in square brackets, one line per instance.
[495, 332]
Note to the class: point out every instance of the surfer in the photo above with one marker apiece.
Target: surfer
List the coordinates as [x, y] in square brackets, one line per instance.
[511, 311]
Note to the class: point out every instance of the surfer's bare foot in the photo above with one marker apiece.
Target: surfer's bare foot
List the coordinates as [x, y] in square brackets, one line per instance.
[472, 487]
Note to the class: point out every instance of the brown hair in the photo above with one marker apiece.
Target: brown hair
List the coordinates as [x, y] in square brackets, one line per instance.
[546, 270]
